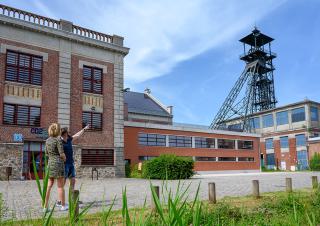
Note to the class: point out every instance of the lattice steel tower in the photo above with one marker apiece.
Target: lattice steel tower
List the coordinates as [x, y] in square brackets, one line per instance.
[254, 90]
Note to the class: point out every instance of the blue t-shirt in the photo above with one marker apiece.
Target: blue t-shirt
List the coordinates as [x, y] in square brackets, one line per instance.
[68, 151]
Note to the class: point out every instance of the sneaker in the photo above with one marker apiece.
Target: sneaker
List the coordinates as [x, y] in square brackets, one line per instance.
[58, 204]
[64, 208]
[46, 210]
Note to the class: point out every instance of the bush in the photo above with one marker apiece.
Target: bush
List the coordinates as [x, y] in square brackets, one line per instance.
[134, 172]
[315, 162]
[169, 167]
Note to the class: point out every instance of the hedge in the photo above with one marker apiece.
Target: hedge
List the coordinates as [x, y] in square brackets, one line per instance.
[315, 162]
[170, 167]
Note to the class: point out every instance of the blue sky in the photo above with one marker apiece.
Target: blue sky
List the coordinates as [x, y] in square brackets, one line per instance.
[187, 52]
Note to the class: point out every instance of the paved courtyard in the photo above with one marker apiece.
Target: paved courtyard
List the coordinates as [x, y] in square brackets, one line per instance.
[23, 201]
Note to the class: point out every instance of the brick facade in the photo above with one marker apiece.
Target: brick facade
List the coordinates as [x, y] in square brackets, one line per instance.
[133, 150]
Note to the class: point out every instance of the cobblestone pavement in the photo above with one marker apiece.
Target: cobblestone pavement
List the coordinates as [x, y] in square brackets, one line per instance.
[23, 201]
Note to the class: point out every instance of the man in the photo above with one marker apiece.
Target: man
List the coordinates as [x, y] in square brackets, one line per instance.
[69, 170]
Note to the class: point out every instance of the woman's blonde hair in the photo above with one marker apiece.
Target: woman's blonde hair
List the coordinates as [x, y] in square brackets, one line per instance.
[54, 130]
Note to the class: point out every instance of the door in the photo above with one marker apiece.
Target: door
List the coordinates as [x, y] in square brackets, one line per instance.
[302, 160]
[33, 150]
[283, 165]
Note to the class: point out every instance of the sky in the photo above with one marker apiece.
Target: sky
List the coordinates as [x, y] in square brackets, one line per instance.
[187, 52]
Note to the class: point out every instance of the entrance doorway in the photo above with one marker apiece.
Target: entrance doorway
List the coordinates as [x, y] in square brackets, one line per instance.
[283, 165]
[302, 157]
[33, 150]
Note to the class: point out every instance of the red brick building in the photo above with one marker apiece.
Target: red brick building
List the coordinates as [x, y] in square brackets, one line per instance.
[149, 132]
[284, 134]
[54, 71]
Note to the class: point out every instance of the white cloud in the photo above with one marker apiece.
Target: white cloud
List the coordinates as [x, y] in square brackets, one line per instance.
[163, 33]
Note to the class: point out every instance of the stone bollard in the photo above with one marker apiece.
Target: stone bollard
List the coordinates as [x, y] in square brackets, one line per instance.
[212, 193]
[288, 184]
[255, 188]
[314, 182]
[157, 191]
[75, 202]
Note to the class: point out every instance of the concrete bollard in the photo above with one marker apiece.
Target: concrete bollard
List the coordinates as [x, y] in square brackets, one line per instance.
[212, 193]
[75, 201]
[288, 184]
[314, 182]
[157, 191]
[255, 188]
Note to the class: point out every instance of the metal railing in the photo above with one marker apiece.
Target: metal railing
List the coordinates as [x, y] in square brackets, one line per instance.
[52, 23]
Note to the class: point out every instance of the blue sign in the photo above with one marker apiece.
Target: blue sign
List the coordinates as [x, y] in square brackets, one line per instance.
[17, 137]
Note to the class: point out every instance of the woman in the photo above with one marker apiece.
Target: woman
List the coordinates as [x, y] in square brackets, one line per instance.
[56, 159]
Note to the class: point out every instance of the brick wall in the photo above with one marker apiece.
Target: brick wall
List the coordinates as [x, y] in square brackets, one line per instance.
[104, 138]
[133, 150]
[49, 93]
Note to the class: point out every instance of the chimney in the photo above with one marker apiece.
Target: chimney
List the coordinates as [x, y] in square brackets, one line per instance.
[170, 109]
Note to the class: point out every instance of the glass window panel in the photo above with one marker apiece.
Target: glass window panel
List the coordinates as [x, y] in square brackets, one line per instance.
[269, 143]
[24, 75]
[226, 144]
[245, 159]
[284, 142]
[298, 114]
[282, 118]
[8, 117]
[245, 144]
[267, 120]
[12, 58]
[227, 159]
[34, 116]
[87, 72]
[37, 63]
[314, 113]
[24, 60]
[270, 159]
[22, 115]
[300, 140]
[255, 123]
[97, 74]
[11, 73]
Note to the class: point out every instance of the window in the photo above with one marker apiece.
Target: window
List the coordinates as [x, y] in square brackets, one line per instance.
[314, 113]
[202, 142]
[245, 159]
[245, 144]
[227, 159]
[92, 80]
[255, 123]
[97, 157]
[24, 68]
[298, 114]
[270, 160]
[300, 140]
[21, 115]
[180, 141]
[267, 121]
[205, 159]
[152, 139]
[284, 142]
[282, 118]
[235, 127]
[93, 119]
[226, 144]
[143, 158]
[269, 143]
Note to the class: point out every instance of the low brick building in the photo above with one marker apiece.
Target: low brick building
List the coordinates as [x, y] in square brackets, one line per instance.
[154, 134]
[54, 71]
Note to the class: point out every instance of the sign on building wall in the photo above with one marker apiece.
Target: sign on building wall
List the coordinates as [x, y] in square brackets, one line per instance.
[40, 132]
[17, 137]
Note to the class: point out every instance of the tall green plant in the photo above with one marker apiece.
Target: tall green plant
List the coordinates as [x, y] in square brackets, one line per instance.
[315, 162]
[41, 189]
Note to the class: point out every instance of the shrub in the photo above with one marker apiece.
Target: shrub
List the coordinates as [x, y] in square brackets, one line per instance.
[134, 172]
[169, 167]
[315, 162]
